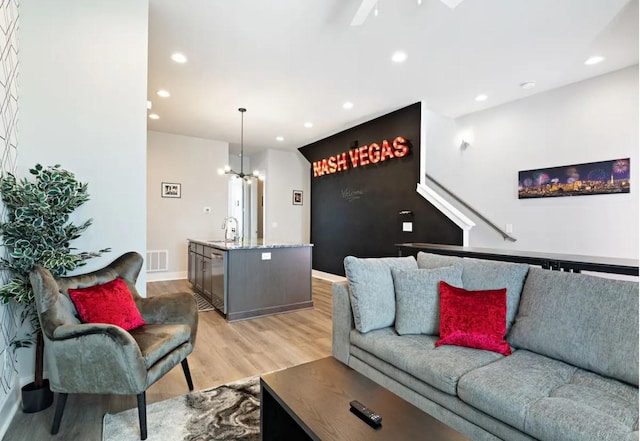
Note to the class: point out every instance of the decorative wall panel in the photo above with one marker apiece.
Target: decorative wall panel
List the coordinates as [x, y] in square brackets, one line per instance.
[9, 315]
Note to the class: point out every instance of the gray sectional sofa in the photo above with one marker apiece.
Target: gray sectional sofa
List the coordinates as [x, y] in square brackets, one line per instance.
[572, 374]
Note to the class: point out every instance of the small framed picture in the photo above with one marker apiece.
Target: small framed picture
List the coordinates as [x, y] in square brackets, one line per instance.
[171, 190]
[297, 197]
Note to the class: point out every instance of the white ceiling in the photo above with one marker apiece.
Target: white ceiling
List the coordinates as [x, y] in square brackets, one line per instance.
[291, 61]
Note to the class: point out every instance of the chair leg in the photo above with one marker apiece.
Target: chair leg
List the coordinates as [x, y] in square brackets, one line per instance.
[187, 373]
[62, 401]
[142, 414]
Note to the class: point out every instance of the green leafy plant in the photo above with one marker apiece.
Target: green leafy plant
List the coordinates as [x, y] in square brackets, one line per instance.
[37, 230]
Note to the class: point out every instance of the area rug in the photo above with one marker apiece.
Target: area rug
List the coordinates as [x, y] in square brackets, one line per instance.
[224, 413]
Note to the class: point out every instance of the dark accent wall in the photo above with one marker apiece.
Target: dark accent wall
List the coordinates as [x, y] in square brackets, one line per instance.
[356, 212]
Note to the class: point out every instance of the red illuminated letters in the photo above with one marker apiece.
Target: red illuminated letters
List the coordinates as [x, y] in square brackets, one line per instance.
[362, 156]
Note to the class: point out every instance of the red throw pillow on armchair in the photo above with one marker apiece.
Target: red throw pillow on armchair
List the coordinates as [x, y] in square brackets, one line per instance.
[110, 303]
[475, 319]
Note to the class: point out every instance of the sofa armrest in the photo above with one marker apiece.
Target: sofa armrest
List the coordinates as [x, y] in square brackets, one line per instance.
[95, 358]
[342, 322]
[174, 308]
[118, 334]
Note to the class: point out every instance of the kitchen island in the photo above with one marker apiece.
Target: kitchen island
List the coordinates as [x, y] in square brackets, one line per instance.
[249, 279]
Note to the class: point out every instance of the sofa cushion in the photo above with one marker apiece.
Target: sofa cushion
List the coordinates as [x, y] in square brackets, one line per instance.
[445, 407]
[156, 341]
[418, 298]
[507, 388]
[551, 400]
[371, 290]
[418, 356]
[588, 408]
[475, 319]
[479, 274]
[587, 321]
[430, 260]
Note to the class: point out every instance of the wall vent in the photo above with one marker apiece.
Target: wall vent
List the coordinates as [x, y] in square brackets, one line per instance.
[157, 260]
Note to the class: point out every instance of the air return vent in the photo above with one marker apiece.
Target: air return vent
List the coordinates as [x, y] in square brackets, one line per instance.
[157, 260]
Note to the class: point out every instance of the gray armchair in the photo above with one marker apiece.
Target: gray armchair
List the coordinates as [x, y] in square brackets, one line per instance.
[106, 359]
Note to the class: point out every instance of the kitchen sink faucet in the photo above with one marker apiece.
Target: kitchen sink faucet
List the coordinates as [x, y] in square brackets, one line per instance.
[228, 228]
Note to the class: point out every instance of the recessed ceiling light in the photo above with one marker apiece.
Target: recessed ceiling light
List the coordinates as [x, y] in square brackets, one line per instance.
[178, 57]
[593, 60]
[399, 57]
[154, 116]
[163, 93]
[149, 104]
[279, 138]
[308, 125]
[528, 84]
[481, 97]
[347, 105]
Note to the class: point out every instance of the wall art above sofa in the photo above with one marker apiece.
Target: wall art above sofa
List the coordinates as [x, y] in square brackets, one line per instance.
[604, 177]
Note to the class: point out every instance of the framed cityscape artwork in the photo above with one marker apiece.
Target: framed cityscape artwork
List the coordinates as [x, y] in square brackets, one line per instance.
[604, 177]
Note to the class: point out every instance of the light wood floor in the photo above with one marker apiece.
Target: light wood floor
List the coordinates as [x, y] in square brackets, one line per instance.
[224, 352]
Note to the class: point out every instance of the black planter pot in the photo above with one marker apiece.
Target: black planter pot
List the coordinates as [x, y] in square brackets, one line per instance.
[36, 399]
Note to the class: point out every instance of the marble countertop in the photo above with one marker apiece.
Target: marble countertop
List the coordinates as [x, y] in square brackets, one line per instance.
[247, 244]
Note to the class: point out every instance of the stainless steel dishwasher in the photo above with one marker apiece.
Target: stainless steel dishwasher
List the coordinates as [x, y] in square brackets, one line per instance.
[219, 280]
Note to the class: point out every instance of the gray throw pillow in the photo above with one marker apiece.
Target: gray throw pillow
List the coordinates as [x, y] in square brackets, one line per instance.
[480, 274]
[418, 298]
[586, 321]
[430, 260]
[371, 290]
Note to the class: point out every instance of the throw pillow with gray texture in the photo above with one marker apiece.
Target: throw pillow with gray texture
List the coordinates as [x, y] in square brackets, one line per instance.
[480, 274]
[587, 321]
[418, 298]
[430, 260]
[373, 299]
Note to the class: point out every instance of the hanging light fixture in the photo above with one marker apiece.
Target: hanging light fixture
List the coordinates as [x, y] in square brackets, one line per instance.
[241, 174]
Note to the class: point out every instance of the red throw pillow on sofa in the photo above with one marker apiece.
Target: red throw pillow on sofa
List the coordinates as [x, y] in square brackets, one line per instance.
[110, 303]
[475, 319]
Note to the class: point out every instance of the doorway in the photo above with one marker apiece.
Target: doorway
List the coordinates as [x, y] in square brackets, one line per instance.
[260, 210]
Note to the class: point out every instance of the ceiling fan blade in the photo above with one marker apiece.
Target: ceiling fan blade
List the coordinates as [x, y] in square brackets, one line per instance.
[363, 12]
[451, 3]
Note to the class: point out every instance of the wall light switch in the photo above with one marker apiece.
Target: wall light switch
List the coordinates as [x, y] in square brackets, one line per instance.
[266, 256]
[508, 228]
[206, 209]
[407, 226]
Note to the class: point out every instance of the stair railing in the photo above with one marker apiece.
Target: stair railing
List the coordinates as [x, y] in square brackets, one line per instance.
[504, 235]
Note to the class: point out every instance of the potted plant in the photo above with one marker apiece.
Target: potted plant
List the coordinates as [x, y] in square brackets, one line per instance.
[37, 230]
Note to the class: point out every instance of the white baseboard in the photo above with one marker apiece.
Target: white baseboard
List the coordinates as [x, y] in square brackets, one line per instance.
[9, 408]
[161, 276]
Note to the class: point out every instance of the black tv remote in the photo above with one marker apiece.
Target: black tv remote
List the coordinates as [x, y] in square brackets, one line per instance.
[366, 414]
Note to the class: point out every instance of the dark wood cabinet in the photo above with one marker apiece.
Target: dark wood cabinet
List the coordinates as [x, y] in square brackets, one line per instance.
[245, 280]
[199, 269]
[206, 276]
[192, 266]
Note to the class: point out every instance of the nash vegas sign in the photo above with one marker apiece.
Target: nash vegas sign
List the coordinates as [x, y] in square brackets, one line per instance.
[362, 156]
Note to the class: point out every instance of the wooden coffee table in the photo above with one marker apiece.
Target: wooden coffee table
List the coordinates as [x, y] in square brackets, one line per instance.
[311, 402]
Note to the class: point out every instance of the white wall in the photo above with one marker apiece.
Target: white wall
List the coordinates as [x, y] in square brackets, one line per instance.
[284, 172]
[590, 121]
[192, 162]
[82, 89]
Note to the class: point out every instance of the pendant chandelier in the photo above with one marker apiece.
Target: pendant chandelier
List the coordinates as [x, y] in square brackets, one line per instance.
[241, 174]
